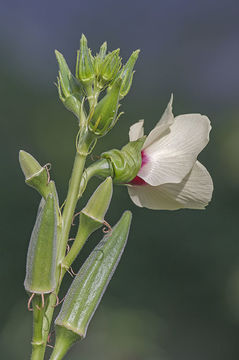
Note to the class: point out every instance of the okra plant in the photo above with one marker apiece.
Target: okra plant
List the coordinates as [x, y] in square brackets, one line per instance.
[160, 171]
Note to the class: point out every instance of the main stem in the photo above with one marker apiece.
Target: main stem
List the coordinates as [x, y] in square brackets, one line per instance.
[71, 200]
[43, 325]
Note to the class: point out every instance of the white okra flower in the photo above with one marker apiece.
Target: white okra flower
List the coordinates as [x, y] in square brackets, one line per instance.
[170, 176]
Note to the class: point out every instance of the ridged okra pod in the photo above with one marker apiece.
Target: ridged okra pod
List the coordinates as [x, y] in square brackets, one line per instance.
[41, 257]
[89, 286]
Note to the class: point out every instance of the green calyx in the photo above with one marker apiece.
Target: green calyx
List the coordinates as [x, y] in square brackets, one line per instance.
[109, 68]
[127, 74]
[121, 165]
[105, 113]
[70, 90]
[85, 69]
[126, 162]
[99, 59]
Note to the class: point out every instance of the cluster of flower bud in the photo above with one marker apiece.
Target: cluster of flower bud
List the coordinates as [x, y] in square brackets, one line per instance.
[103, 72]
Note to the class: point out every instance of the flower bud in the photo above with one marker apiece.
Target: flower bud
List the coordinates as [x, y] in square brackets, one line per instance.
[35, 175]
[85, 71]
[97, 206]
[103, 50]
[41, 256]
[110, 67]
[88, 287]
[127, 74]
[99, 58]
[69, 89]
[91, 218]
[105, 113]
[125, 162]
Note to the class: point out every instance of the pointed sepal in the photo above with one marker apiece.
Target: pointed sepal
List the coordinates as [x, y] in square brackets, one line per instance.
[70, 90]
[85, 71]
[127, 74]
[109, 68]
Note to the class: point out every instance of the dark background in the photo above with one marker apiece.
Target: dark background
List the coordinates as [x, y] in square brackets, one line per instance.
[175, 295]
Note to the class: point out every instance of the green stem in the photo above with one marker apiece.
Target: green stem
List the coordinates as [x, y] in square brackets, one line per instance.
[64, 340]
[38, 352]
[71, 201]
[100, 168]
[38, 346]
[84, 145]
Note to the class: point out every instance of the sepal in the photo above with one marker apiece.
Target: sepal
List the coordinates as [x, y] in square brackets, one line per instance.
[103, 50]
[85, 69]
[125, 162]
[109, 68]
[127, 74]
[99, 59]
[70, 90]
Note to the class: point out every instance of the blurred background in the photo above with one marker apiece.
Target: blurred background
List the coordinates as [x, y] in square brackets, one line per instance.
[175, 295]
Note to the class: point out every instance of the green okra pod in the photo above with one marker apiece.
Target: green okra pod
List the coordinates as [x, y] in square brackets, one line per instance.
[41, 257]
[91, 218]
[88, 287]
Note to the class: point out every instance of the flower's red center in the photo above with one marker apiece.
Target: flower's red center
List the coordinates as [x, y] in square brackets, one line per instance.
[138, 180]
[144, 158]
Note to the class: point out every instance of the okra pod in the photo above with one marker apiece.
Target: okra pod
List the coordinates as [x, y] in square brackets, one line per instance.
[41, 257]
[88, 287]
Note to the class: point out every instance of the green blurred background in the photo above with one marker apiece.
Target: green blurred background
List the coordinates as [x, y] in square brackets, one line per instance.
[175, 295]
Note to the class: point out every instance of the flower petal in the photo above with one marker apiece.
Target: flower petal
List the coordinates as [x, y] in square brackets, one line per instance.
[170, 157]
[194, 192]
[167, 117]
[162, 127]
[136, 131]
